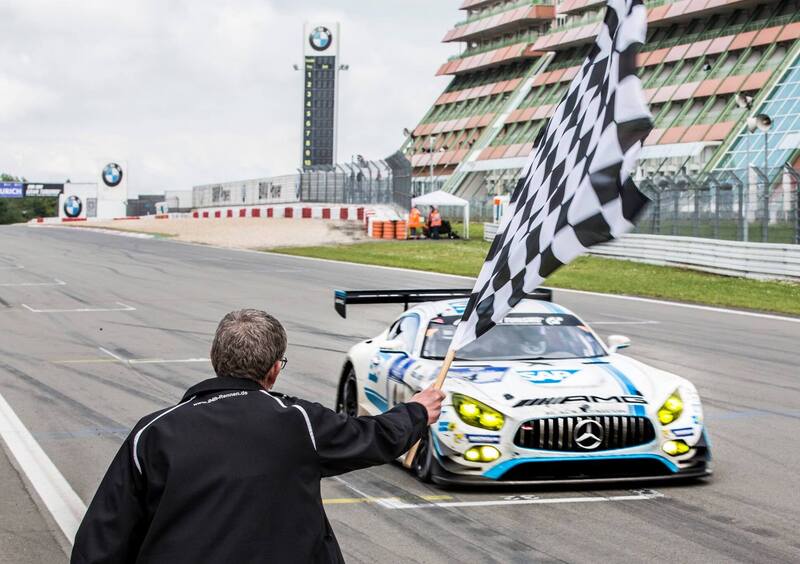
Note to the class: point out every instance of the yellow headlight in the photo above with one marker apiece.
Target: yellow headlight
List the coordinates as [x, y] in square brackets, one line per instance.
[485, 453]
[489, 419]
[671, 409]
[473, 454]
[676, 447]
[473, 412]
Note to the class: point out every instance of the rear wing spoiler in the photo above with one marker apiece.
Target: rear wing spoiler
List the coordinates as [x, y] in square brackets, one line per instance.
[341, 298]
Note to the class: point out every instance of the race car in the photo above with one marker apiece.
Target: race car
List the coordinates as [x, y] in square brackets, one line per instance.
[537, 399]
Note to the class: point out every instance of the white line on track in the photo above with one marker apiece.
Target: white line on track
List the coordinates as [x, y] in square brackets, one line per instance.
[112, 355]
[123, 307]
[624, 322]
[539, 501]
[52, 488]
[55, 282]
[167, 360]
[397, 503]
[388, 503]
[124, 360]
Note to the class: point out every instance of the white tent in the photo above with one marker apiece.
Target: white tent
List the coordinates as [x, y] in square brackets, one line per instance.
[442, 198]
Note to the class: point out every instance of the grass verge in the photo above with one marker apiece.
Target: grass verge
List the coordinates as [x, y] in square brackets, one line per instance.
[586, 273]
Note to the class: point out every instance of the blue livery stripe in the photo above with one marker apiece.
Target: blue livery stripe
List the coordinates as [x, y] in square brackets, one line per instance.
[436, 448]
[377, 400]
[496, 472]
[627, 385]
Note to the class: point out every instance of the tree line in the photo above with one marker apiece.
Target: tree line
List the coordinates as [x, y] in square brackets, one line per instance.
[17, 210]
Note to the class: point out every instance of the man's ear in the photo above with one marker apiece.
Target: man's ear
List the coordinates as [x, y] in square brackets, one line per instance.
[272, 375]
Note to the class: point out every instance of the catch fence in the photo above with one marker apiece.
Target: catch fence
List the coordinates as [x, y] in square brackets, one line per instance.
[724, 205]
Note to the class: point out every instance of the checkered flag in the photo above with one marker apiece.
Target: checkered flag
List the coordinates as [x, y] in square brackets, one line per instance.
[576, 189]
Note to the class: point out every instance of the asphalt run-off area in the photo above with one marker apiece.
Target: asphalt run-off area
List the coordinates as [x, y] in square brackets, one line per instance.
[99, 330]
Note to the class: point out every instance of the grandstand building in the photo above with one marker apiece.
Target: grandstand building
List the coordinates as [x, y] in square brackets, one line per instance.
[517, 58]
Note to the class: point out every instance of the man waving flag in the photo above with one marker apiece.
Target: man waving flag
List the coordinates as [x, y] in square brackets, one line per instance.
[576, 189]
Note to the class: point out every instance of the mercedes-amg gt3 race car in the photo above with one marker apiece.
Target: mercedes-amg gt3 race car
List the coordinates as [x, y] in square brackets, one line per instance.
[538, 399]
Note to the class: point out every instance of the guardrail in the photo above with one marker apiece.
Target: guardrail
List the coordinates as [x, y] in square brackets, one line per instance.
[730, 258]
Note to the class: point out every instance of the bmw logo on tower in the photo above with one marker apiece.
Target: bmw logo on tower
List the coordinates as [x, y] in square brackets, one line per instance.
[112, 175]
[321, 38]
[73, 206]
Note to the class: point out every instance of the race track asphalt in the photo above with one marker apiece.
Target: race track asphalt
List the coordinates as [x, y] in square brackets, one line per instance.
[79, 380]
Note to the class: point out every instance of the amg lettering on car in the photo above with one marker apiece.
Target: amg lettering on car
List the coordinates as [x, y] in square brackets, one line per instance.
[636, 400]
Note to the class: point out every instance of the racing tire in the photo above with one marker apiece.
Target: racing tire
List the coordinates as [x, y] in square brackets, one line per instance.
[349, 398]
[425, 463]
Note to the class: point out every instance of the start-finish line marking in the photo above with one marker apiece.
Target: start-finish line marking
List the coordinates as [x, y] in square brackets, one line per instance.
[439, 501]
[526, 500]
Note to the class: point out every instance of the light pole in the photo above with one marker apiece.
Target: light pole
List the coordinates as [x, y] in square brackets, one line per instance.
[746, 103]
[408, 150]
[431, 140]
[764, 123]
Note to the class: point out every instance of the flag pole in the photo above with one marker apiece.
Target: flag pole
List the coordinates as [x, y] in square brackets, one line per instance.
[437, 385]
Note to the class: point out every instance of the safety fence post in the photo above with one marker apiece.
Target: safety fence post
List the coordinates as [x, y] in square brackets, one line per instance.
[742, 218]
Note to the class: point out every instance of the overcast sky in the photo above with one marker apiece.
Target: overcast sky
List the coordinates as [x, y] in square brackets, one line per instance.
[196, 91]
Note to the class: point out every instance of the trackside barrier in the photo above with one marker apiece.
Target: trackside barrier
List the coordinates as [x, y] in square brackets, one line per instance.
[305, 211]
[52, 220]
[730, 258]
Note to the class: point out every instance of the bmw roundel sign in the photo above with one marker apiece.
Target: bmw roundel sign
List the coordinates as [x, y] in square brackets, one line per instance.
[321, 38]
[73, 206]
[112, 175]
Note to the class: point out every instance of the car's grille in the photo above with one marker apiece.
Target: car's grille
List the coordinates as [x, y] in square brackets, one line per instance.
[585, 433]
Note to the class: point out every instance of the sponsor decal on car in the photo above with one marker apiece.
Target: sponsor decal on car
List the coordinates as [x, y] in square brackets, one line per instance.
[399, 367]
[633, 400]
[546, 376]
[683, 432]
[457, 307]
[485, 439]
[478, 374]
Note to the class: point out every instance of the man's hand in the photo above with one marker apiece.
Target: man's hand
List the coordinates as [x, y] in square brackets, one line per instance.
[431, 400]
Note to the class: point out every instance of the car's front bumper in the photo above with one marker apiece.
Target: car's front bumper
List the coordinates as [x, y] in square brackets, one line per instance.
[599, 468]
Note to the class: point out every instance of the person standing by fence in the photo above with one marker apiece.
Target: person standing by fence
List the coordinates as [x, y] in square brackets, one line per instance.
[414, 221]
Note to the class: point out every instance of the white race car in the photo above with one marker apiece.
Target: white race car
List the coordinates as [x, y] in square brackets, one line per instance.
[538, 399]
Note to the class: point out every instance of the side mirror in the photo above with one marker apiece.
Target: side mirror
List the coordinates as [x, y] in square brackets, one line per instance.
[617, 342]
[393, 346]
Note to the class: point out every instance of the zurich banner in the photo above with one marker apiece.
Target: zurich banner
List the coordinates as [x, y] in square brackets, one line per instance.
[11, 190]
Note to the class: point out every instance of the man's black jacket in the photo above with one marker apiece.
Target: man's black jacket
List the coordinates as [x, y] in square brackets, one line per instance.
[232, 475]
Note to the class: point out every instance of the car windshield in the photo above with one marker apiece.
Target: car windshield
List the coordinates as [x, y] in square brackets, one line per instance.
[520, 336]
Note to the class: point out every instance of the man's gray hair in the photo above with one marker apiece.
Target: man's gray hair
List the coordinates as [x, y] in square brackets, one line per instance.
[247, 343]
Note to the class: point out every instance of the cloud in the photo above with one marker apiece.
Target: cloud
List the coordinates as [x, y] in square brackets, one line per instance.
[20, 99]
[190, 92]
